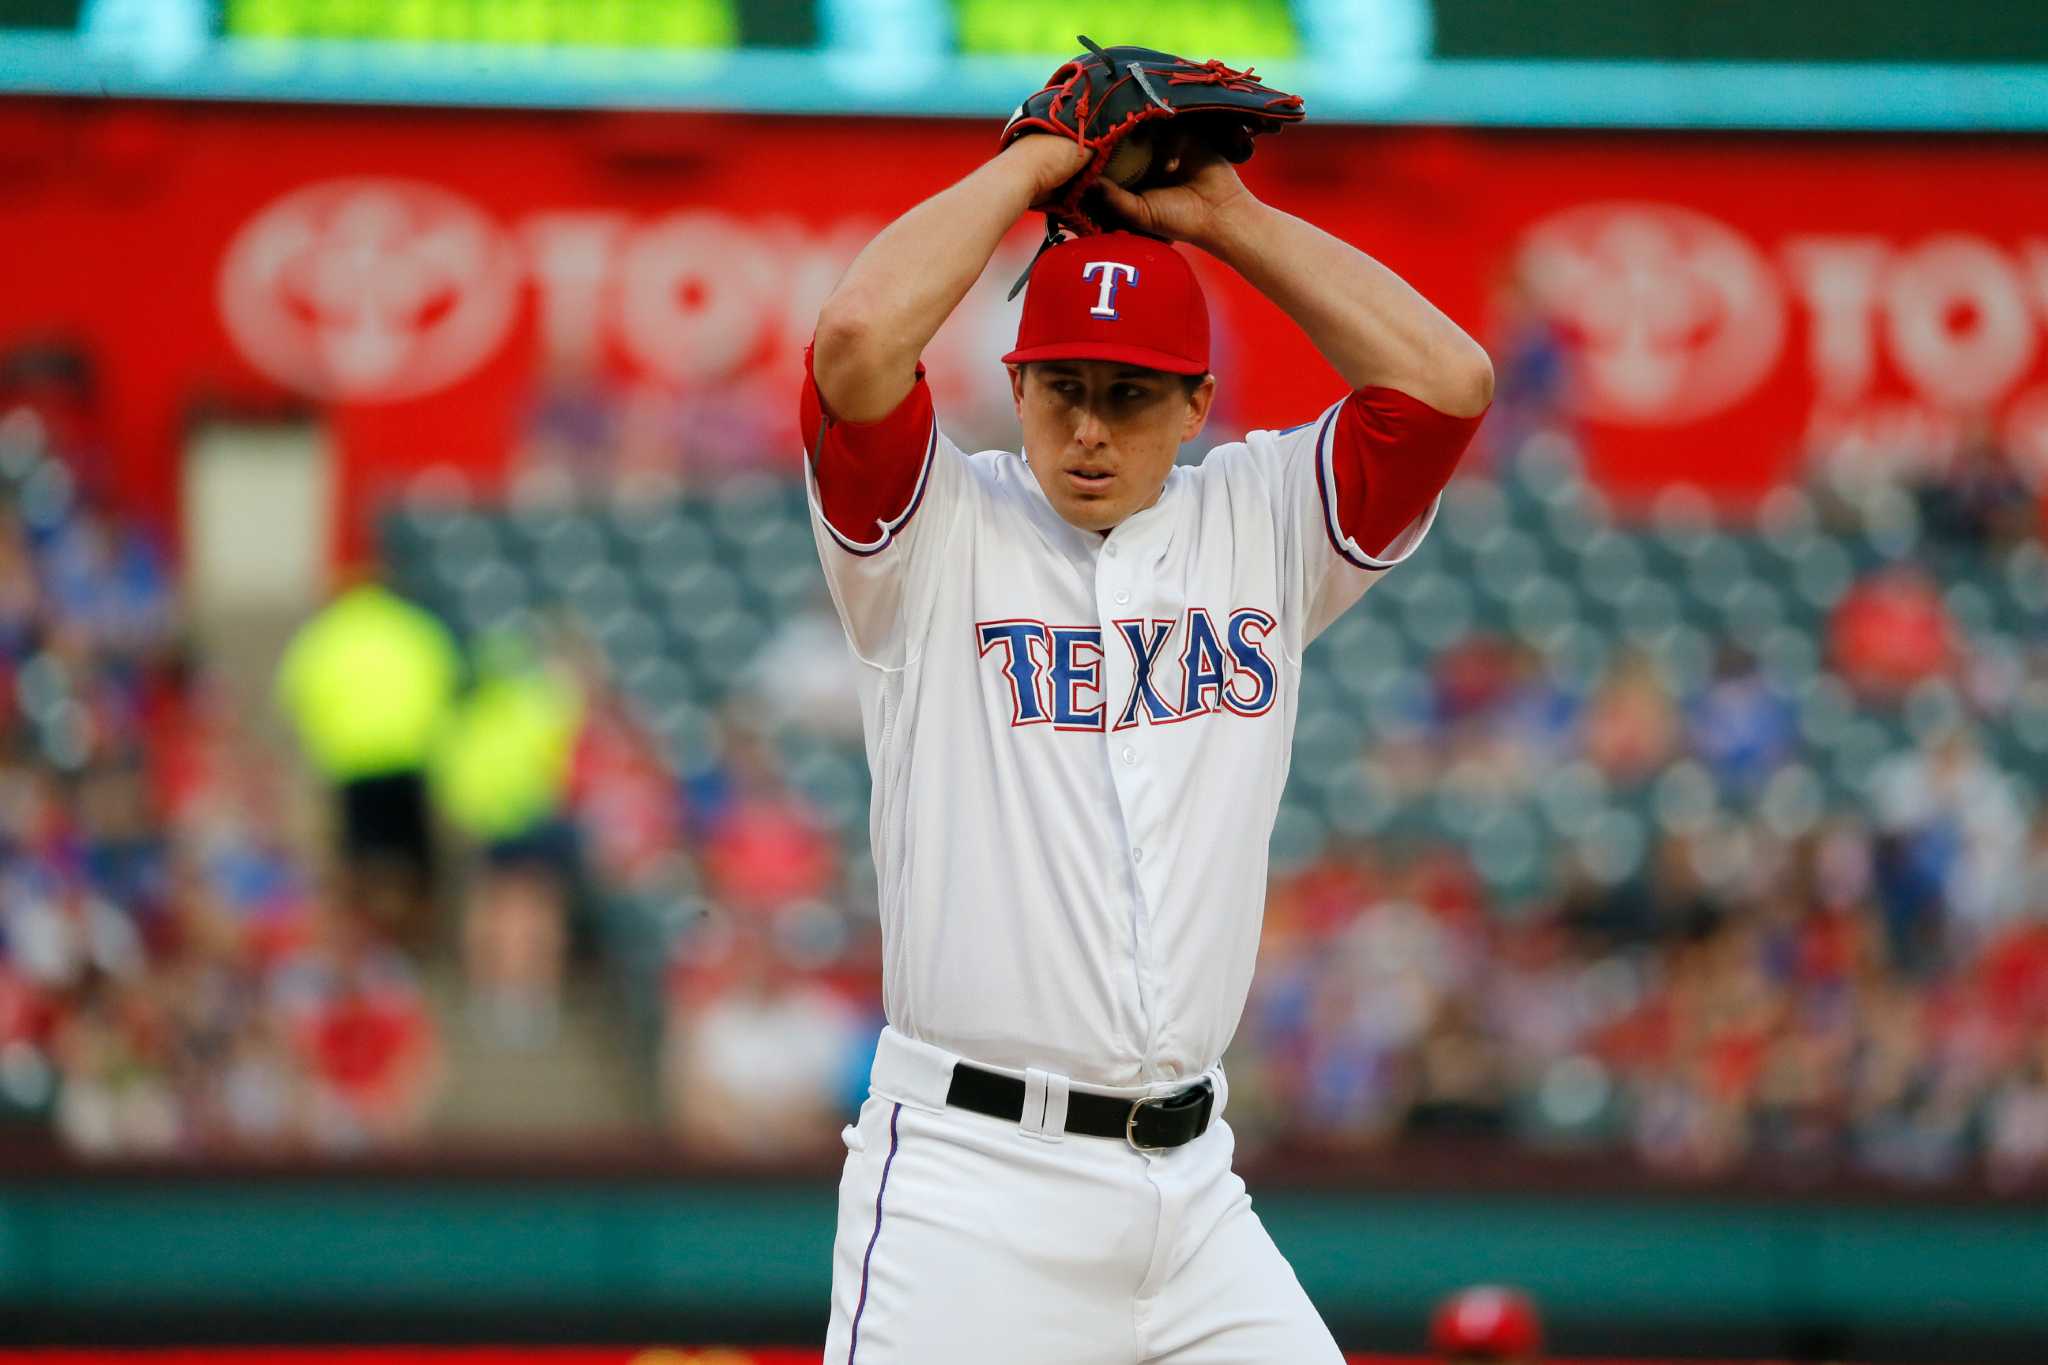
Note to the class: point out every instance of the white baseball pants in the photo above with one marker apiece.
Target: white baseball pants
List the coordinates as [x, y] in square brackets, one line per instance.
[964, 1238]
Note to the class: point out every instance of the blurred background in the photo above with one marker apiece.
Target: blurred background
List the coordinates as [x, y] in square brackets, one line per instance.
[435, 897]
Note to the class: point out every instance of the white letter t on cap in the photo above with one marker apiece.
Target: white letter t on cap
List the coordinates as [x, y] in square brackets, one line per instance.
[1105, 302]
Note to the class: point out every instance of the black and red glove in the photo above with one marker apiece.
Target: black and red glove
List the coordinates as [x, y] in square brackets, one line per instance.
[1104, 95]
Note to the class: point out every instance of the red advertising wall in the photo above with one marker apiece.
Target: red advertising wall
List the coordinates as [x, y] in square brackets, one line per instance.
[415, 274]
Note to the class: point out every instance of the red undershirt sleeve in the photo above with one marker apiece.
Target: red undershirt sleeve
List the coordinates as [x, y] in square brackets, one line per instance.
[868, 473]
[1389, 457]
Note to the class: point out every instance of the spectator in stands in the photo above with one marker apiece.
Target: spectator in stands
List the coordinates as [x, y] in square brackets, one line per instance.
[572, 427]
[1461, 1076]
[120, 837]
[1497, 717]
[2016, 1137]
[1952, 855]
[1602, 914]
[1800, 1090]
[21, 598]
[805, 677]
[368, 683]
[763, 846]
[1631, 723]
[500, 775]
[628, 811]
[1909, 1114]
[1891, 631]
[354, 1011]
[1536, 716]
[1980, 498]
[1531, 359]
[53, 388]
[754, 1055]
[1741, 726]
[109, 581]
[117, 1099]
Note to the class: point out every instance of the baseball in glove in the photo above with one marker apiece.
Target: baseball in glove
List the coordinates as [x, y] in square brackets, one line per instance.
[1110, 99]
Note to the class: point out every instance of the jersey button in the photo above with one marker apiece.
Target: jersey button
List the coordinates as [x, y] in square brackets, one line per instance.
[1122, 597]
[1137, 855]
[1130, 755]
[1109, 550]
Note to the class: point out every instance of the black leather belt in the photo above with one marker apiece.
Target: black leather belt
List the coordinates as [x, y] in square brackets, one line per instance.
[1152, 1124]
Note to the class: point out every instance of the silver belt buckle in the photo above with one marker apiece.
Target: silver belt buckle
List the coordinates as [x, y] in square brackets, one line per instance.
[1131, 1123]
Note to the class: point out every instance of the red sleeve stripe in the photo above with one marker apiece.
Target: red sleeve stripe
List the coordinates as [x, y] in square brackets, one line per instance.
[1326, 484]
[892, 526]
[1397, 455]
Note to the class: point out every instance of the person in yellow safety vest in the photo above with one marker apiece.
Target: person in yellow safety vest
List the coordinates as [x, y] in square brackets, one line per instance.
[501, 764]
[500, 774]
[368, 683]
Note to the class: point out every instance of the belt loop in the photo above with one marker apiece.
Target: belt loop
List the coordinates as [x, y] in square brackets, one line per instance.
[1045, 1106]
[911, 1072]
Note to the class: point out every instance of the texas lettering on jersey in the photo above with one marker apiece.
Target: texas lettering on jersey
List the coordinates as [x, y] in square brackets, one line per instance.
[1053, 674]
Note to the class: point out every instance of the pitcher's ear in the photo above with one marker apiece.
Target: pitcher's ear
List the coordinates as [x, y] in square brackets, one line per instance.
[1201, 397]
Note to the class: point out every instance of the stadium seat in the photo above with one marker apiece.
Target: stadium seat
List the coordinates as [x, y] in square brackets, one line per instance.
[1753, 610]
[628, 638]
[1790, 658]
[1541, 607]
[748, 509]
[1299, 834]
[1509, 562]
[1353, 804]
[595, 590]
[455, 541]
[833, 778]
[1437, 609]
[1507, 849]
[1715, 569]
[1326, 737]
[1608, 565]
[490, 596]
[1473, 509]
[565, 549]
[672, 547]
[1648, 607]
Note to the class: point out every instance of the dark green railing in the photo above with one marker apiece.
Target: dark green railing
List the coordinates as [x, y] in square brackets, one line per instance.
[497, 1254]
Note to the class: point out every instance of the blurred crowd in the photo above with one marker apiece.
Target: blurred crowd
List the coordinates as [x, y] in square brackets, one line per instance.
[1758, 970]
[1864, 992]
[1743, 964]
[174, 978]
[1751, 970]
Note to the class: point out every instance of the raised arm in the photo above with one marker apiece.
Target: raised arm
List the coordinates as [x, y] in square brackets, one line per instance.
[906, 282]
[1368, 322]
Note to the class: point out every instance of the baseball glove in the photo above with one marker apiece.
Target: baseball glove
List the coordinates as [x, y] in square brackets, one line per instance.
[1102, 96]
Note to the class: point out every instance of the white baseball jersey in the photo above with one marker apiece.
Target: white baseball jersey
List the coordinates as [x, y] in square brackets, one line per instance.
[1079, 742]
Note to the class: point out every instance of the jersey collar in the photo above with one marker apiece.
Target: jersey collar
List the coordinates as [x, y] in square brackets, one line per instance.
[1134, 533]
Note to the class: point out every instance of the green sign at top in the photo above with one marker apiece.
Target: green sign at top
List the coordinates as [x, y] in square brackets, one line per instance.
[513, 23]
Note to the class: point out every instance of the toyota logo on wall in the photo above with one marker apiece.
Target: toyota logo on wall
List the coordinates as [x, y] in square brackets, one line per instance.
[1676, 316]
[368, 290]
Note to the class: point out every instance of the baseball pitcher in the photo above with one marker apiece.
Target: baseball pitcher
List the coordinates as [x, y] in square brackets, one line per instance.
[1078, 672]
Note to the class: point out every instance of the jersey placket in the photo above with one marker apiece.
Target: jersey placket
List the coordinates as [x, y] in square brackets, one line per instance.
[1123, 574]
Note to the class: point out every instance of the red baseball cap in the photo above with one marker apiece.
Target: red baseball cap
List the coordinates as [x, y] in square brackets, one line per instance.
[1487, 1321]
[1115, 296]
